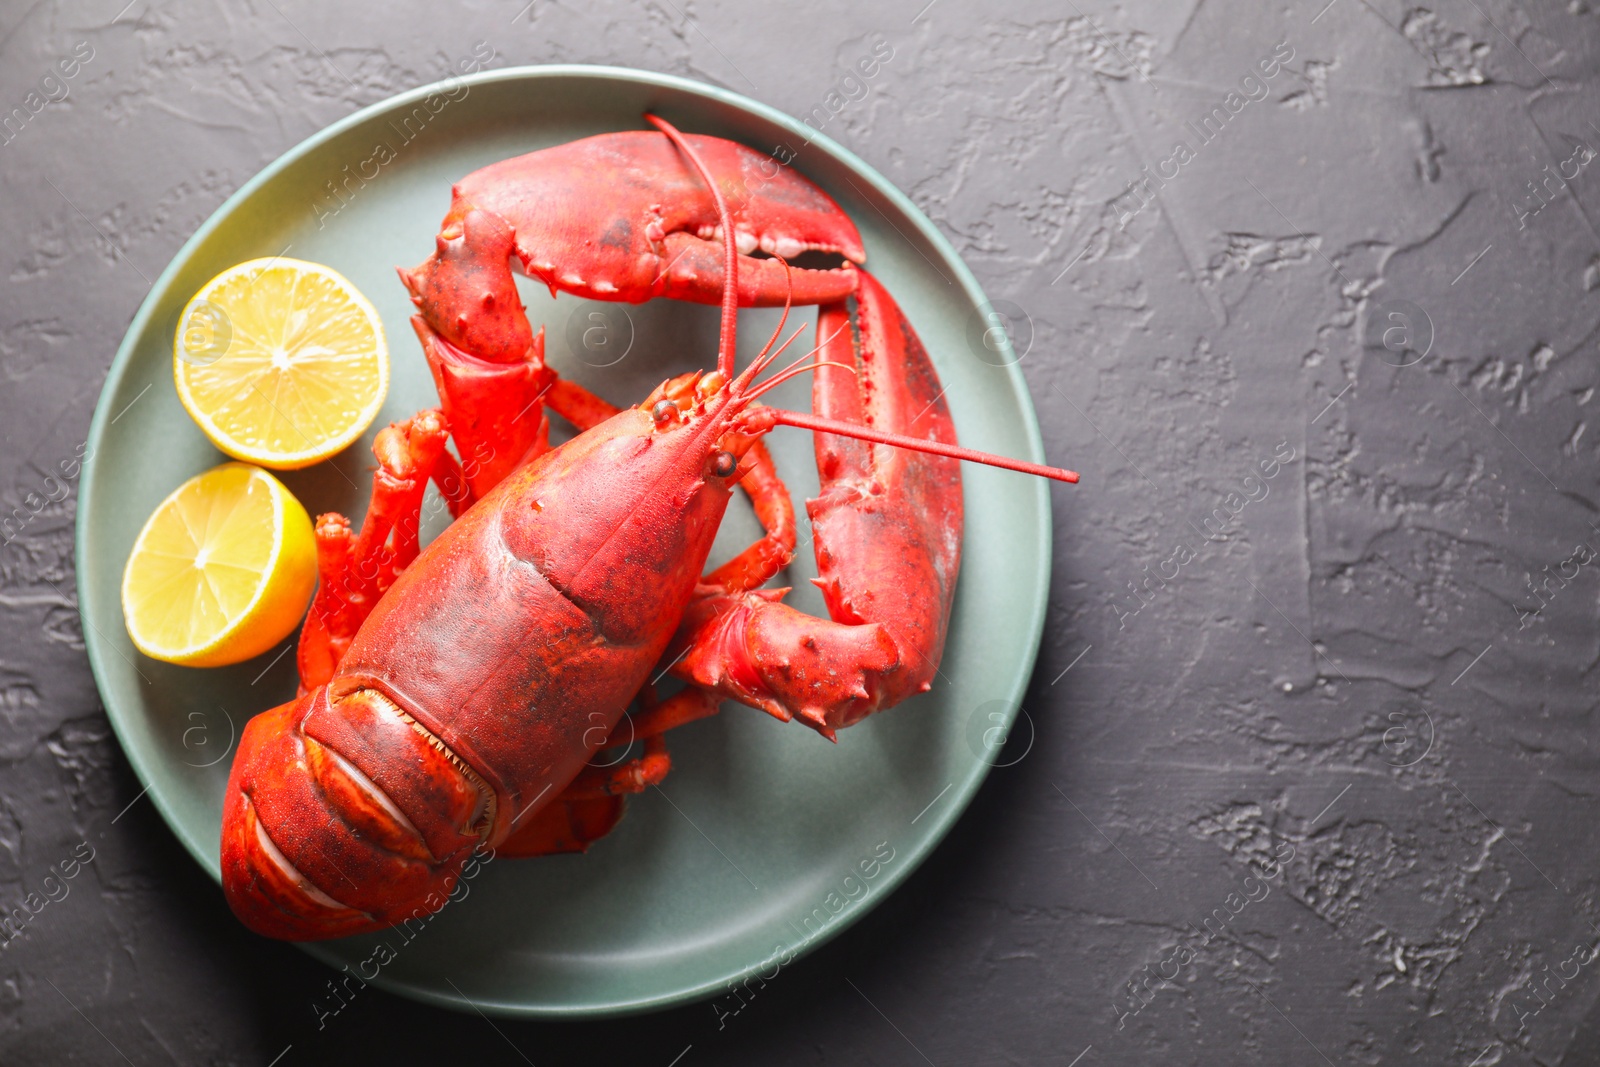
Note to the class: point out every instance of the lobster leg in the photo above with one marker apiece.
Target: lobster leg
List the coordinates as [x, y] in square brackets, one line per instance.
[589, 808]
[354, 570]
[688, 705]
[634, 776]
[887, 527]
[579, 406]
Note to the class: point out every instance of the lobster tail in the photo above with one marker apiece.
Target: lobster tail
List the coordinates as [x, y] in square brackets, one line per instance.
[343, 815]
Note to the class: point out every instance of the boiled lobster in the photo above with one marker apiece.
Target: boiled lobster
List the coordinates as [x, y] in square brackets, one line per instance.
[450, 699]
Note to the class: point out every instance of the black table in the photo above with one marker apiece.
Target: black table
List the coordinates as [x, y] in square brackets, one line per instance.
[1308, 294]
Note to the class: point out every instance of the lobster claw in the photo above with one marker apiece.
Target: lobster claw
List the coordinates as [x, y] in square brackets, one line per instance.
[650, 230]
[886, 529]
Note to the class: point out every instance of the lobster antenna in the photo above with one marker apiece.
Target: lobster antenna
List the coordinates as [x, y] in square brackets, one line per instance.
[788, 302]
[917, 444]
[727, 346]
[794, 372]
[767, 356]
[768, 361]
[795, 368]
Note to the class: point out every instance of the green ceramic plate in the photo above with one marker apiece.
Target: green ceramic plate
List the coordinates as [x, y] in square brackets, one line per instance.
[765, 841]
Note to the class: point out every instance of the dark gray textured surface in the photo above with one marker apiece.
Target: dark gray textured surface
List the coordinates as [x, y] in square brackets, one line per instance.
[1347, 676]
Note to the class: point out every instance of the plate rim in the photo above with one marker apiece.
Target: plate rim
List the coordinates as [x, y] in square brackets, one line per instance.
[952, 263]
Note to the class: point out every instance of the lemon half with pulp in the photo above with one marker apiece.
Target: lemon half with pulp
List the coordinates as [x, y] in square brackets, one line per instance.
[222, 571]
[281, 362]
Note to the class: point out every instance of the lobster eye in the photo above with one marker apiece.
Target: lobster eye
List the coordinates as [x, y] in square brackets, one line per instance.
[665, 413]
[723, 464]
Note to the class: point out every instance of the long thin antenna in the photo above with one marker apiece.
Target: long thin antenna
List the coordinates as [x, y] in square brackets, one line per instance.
[754, 392]
[794, 372]
[766, 361]
[727, 347]
[937, 448]
[788, 302]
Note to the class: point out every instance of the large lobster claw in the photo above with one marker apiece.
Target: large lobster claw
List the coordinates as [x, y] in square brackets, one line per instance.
[887, 534]
[623, 216]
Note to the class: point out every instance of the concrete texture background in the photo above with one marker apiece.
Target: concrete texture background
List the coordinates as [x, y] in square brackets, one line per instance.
[1341, 711]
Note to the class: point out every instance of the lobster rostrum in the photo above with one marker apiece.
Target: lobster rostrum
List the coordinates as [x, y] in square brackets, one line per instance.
[452, 699]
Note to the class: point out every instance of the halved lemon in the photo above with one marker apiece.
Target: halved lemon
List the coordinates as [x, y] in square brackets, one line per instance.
[222, 570]
[281, 362]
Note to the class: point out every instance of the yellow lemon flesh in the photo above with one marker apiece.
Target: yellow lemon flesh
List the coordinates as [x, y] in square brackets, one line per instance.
[222, 571]
[281, 362]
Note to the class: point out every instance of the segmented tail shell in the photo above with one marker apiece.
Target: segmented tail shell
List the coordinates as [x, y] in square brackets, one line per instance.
[344, 815]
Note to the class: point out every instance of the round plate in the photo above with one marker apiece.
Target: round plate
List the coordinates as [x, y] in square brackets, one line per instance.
[765, 841]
